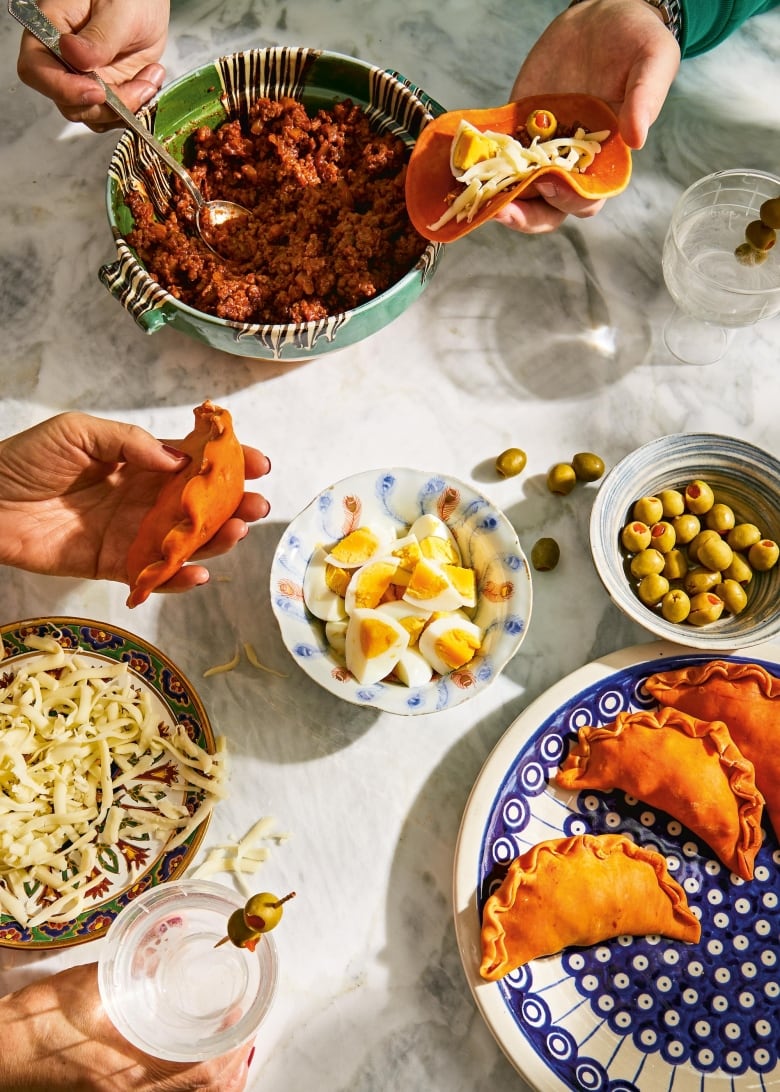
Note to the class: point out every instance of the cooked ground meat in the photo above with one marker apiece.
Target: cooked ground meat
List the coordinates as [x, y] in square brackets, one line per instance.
[328, 228]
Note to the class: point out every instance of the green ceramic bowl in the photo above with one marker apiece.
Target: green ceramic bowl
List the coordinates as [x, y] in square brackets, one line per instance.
[208, 96]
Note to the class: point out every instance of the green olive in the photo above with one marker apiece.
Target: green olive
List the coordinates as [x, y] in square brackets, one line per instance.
[701, 580]
[672, 503]
[561, 478]
[587, 466]
[652, 588]
[760, 235]
[696, 543]
[646, 562]
[738, 570]
[715, 553]
[541, 123]
[511, 462]
[648, 509]
[239, 933]
[699, 497]
[263, 912]
[686, 527]
[662, 536]
[675, 565]
[770, 212]
[545, 554]
[748, 255]
[720, 518]
[763, 555]
[705, 607]
[733, 595]
[675, 605]
[743, 535]
[635, 536]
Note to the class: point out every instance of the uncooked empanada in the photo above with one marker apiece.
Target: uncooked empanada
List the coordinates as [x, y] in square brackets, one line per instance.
[747, 698]
[579, 891]
[689, 768]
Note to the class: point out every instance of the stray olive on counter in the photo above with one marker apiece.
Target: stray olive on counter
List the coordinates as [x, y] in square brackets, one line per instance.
[511, 462]
[587, 466]
[690, 557]
[545, 554]
[561, 478]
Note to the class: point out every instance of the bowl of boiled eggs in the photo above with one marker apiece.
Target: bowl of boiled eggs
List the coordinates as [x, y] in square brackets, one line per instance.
[402, 590]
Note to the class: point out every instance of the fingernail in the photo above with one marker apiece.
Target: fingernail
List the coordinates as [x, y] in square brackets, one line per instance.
[267, 509]
[251, 1056]
[547, 189]
[147, 94]
[174, 452]
[268, 471]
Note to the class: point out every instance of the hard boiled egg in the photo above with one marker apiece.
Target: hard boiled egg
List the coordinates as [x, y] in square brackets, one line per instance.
[450, 641]
[374, 643]
[361, 545]
[437, 587]
[319, 597]
[369, 584]
[413, 669]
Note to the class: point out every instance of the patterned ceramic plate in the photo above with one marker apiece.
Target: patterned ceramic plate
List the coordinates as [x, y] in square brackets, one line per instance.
[487, 542]
[634, 1014]
[132, 865]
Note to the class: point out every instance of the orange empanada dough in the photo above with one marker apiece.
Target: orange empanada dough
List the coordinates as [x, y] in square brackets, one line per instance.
[689, 768]
[192, 505]
[747, 698]
[579, 891]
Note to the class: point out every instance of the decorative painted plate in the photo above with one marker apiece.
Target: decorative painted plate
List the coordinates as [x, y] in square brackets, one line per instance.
[488, 544]
[130, 865]
[633, 1014]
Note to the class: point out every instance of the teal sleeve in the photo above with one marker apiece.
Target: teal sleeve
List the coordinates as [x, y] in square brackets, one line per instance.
[706, 23]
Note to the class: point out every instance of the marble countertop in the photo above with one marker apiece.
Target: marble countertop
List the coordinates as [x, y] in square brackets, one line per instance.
[550, 343]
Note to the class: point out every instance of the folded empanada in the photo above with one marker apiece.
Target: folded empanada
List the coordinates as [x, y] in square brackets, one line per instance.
[580, 891]
[747, 698]
[689, 768]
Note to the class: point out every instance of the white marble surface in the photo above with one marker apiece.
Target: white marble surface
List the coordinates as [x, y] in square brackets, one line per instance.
[550, 343]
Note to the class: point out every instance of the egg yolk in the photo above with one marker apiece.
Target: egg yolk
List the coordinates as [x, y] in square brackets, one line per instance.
[456, 647]
[376, 637]
[336, 579]
[426, 583]
[372, 584]
[463, 580]
[439, 549]
[356, 547]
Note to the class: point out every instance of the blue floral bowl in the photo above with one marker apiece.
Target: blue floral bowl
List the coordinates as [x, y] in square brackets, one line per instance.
[487, 542]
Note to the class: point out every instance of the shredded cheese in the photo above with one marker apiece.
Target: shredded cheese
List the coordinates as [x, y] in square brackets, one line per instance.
[243, 857]
[75, 738]
[510, 163]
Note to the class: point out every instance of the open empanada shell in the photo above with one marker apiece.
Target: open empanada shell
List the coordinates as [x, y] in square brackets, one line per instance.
[429, 179]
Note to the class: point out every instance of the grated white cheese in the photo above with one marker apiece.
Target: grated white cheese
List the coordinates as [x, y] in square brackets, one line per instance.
[243, 857]
[73, 736]
[513, 162]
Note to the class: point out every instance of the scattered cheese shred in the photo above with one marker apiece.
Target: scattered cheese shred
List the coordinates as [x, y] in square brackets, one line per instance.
[74, 735]
[243, 857]
[510, 162]
[219, 669]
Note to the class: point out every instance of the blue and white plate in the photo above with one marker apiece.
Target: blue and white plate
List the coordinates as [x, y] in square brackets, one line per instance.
[633, 1014]
[487, 542]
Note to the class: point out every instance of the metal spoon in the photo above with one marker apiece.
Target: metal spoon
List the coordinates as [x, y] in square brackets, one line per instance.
[209, 214]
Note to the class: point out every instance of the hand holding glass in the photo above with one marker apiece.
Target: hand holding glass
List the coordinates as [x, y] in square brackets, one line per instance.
[714, 292]
[170, 987]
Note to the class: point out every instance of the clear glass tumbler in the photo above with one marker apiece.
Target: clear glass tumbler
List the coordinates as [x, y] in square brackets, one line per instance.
[167, 986]
[714, 293]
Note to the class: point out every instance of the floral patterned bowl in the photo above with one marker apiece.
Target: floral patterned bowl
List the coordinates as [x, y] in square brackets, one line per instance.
[487, 542]
[208, 96]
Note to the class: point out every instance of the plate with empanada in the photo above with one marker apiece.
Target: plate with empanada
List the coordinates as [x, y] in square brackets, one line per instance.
[617, 876]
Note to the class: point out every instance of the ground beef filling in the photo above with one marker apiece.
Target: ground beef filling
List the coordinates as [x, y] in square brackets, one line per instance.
[328, 227]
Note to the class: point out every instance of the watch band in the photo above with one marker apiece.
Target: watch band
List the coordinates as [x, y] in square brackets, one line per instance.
[671, 11]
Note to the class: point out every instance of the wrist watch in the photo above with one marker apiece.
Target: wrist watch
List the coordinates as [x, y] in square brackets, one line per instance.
[671, 11]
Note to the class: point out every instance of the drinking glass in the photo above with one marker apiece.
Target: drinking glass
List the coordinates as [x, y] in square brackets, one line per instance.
[713, 292]
[167, 985]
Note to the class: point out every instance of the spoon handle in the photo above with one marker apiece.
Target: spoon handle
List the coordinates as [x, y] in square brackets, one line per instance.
[32, 18]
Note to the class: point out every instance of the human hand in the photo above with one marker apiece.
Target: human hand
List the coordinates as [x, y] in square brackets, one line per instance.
[54, 1034]
[122, 41]
[74, 489]
[621, 52]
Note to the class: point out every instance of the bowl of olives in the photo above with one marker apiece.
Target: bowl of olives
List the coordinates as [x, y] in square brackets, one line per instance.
[685, 535]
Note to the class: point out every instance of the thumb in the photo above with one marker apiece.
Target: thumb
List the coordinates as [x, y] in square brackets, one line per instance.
[115, 442]
[109, 34]
[646, 91]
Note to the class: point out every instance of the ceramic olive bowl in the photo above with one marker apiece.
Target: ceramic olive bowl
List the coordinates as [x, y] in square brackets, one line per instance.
[207, 97]
[396, 497]
[741, 476]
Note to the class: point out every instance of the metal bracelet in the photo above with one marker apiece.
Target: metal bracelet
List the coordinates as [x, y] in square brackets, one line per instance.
[671, 11]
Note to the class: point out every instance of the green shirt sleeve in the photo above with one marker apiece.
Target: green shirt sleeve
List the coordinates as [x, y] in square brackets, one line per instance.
[706, 23]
